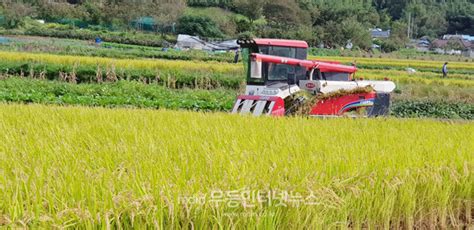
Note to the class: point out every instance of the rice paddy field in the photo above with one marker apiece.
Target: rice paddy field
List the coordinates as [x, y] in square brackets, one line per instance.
[122, 136]
[81, 167]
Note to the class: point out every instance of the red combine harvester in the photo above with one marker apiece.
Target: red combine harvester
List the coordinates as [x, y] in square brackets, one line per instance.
[277, 70]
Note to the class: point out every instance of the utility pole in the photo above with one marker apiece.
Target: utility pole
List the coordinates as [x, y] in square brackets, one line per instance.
[409, 25]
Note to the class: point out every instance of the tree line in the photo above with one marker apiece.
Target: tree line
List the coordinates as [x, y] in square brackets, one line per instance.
[331, 23]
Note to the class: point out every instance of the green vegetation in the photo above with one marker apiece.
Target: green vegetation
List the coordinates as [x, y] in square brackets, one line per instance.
[174, 74]
[153, 95]
[448, 93]
[172, 54]
[106, 49]
[230, 23]
[118, 94]
[331, 23]
[121, 168]
[199, 25]
[71, 32]
[434, 109]
[421, 94]
[118, 50]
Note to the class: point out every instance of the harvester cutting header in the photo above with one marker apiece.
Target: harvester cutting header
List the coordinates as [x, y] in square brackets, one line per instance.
[278, 73]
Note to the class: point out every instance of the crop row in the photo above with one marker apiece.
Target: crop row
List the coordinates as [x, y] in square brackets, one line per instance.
[109, 73]
[393, 74]
[177, 74]
[401, 64]
[60, 31]
[422, 78]
[77, 167]
[155, 64]
[106, 49]
[448, 93]
[135, 94]
[206, 66]
[433, 109]
[168, 53]
[121, 94]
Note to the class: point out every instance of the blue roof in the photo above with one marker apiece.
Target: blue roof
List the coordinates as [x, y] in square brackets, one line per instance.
[468, 37]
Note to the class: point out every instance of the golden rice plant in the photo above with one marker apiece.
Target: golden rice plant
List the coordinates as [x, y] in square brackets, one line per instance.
[210, 66]
[159, 64]
[416, 78]
[79, 167]
[403, 63]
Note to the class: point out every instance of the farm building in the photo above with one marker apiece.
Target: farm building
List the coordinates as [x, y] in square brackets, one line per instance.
[193, 42]
[459, 36]
[452, 46]
[379, 33]
[423, 44]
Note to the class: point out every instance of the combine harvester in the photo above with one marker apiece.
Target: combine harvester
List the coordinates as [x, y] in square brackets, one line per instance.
[278, 73]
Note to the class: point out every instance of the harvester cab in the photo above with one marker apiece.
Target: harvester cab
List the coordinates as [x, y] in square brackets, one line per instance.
[277, 70]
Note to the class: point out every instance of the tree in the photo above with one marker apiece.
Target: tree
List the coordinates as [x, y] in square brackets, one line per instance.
[285, 12]
[357, 33]
[287, 20]
[93, 13]
[252, 9]
[14, 13]
[198, 25]
[120, 13]
[393, 7]
[426, 20]
[54, 11]
[398, 37]
[166, 12]
[462, 24]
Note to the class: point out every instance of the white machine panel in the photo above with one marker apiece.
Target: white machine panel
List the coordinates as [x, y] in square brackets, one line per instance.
[331, 86]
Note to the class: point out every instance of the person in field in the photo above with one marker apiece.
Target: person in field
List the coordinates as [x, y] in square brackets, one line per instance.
[236, 56]
[445, 70]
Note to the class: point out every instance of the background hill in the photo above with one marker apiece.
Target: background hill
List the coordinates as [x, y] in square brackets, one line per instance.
[331, 23]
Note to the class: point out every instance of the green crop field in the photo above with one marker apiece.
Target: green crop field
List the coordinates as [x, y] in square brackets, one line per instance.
[82, 167]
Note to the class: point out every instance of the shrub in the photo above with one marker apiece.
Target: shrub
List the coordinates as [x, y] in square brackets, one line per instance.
[198, 25]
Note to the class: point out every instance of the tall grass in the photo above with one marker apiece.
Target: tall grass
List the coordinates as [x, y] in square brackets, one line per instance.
[100, 168]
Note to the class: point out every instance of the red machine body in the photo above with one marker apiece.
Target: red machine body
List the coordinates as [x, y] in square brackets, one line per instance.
[308, 64]
[340, 105]
[279, 42]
